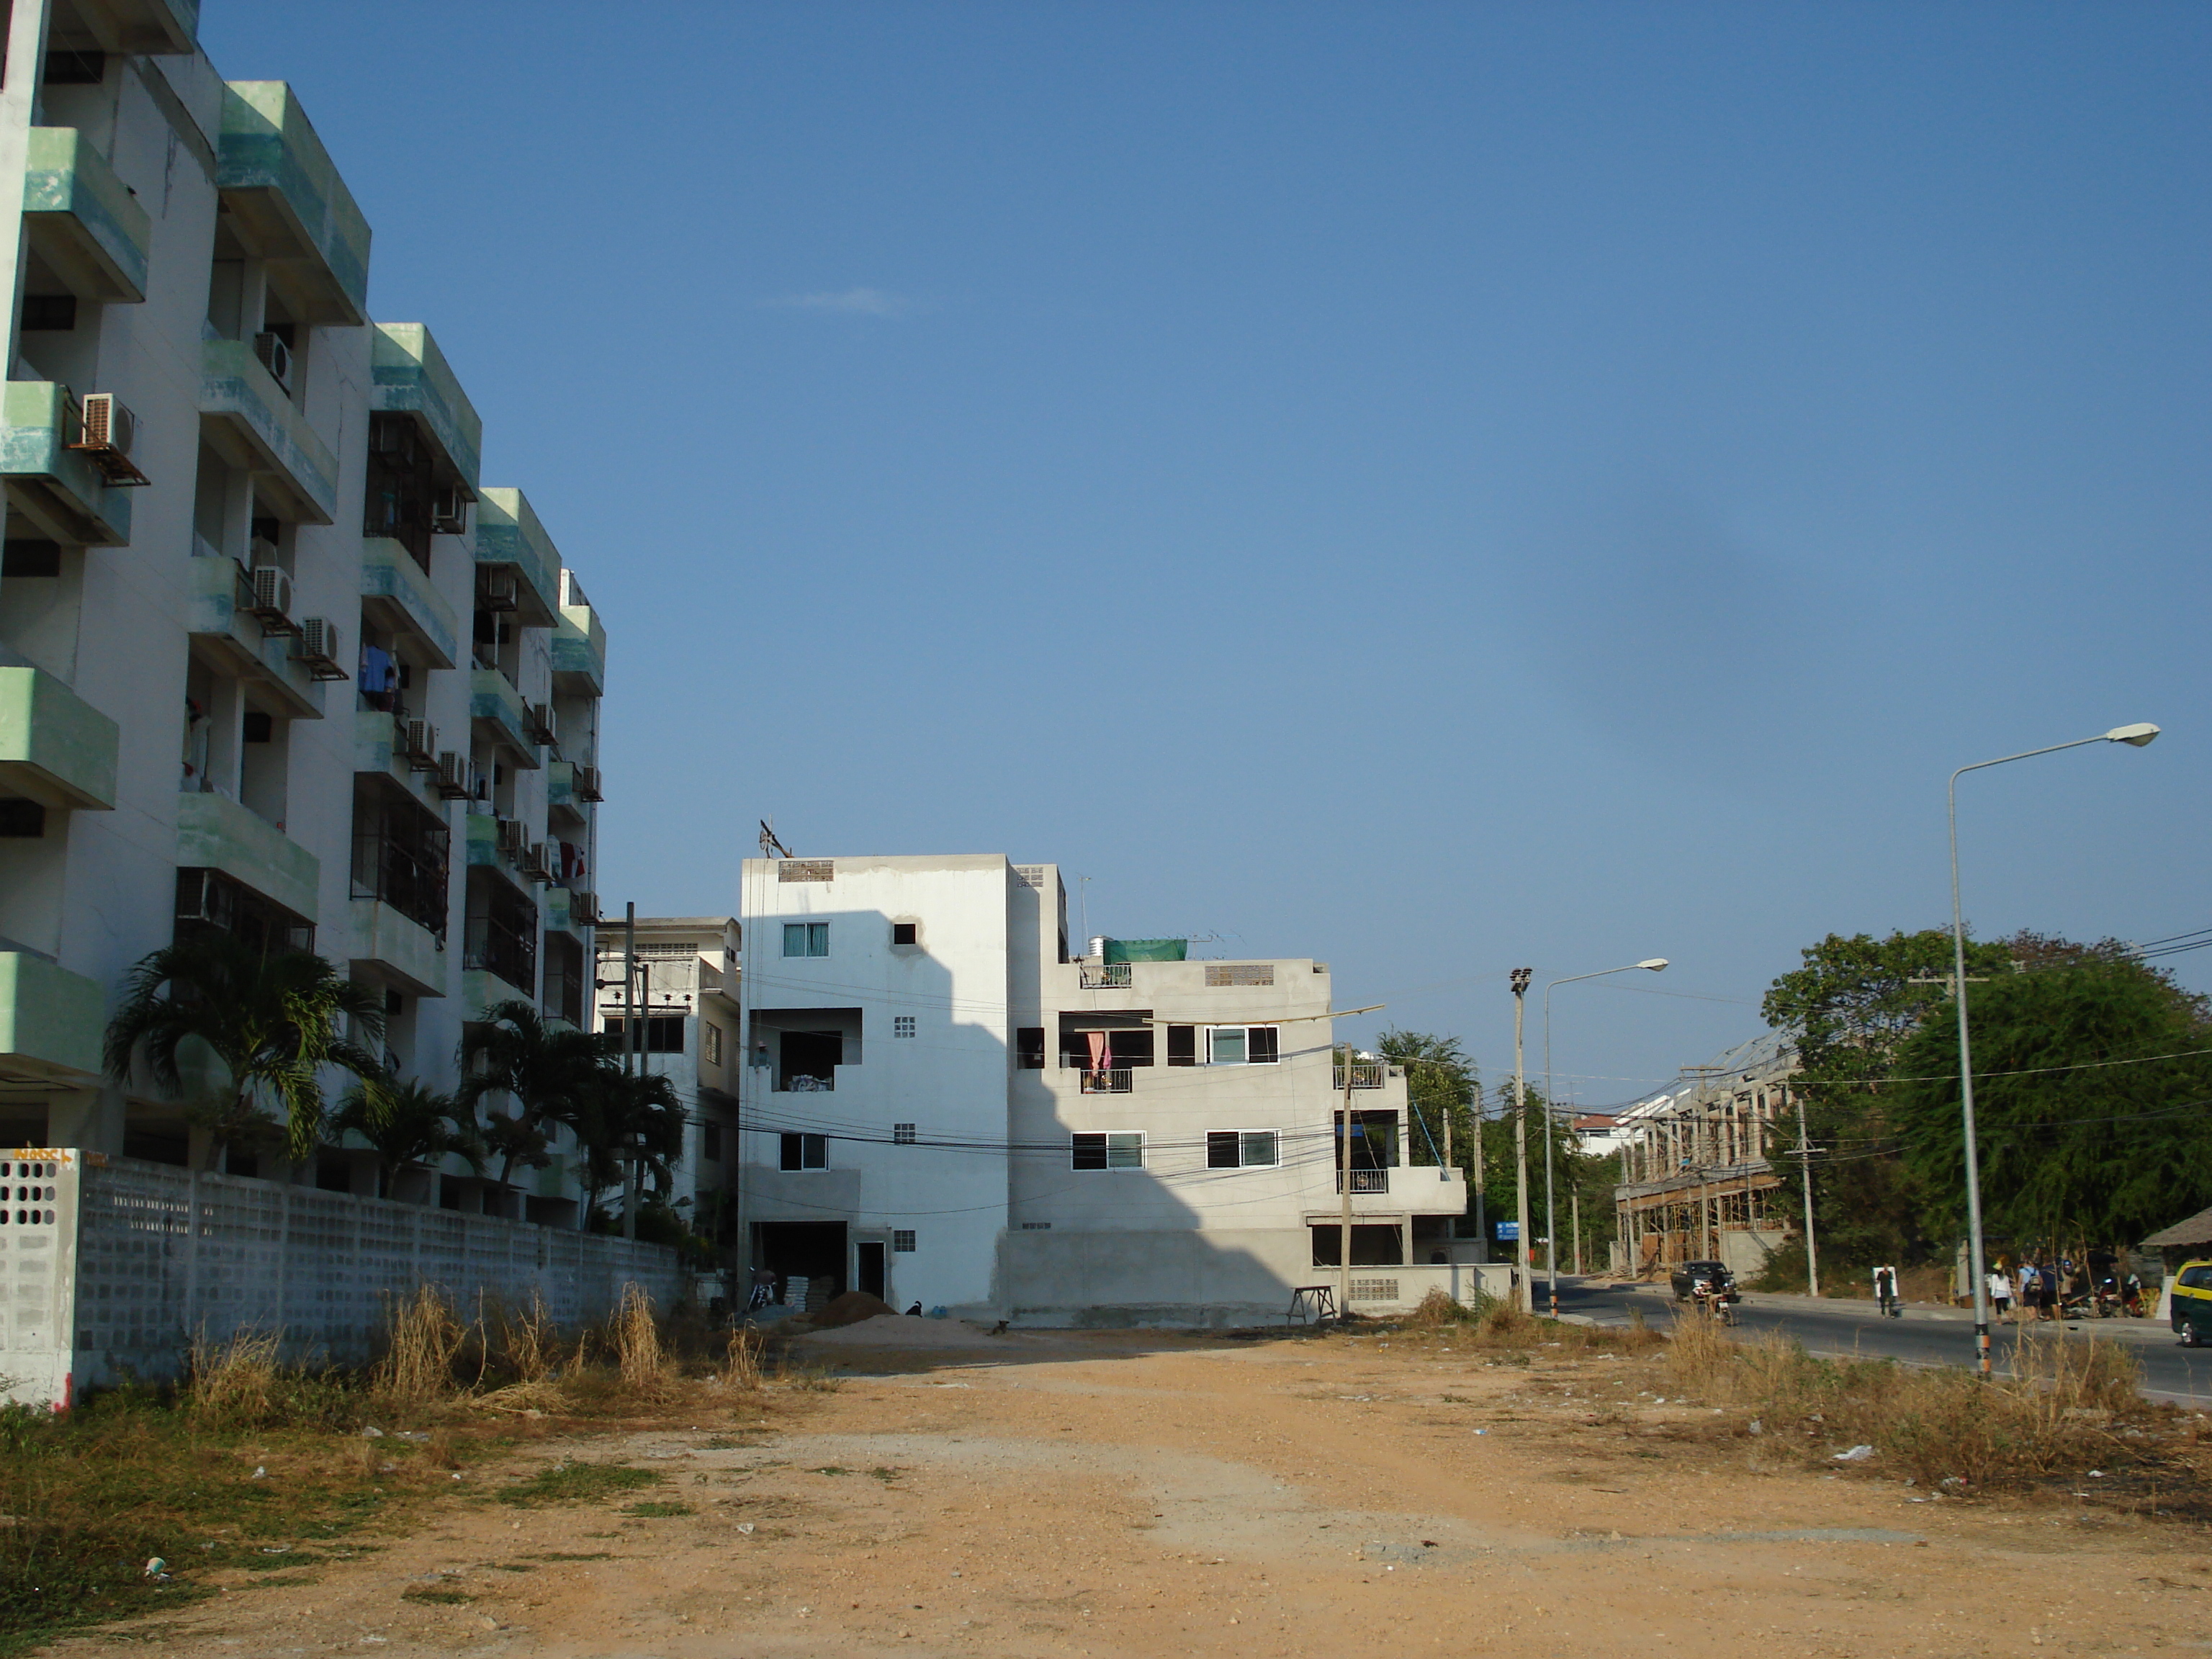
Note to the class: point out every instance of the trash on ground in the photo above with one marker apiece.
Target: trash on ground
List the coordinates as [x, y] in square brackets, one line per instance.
[1856, 1454]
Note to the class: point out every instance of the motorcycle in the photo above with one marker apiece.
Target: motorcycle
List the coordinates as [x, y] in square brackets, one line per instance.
[1714, 1303]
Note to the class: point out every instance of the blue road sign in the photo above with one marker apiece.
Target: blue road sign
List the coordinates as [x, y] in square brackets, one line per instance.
[1508, 1229]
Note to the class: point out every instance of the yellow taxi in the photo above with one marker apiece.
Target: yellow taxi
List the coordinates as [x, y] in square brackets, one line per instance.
[2189, 1301]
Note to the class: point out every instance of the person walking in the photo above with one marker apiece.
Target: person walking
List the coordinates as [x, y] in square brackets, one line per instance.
[2029, 1285]
[1885, 1291]
[2046, 1290]
[2000, 1289]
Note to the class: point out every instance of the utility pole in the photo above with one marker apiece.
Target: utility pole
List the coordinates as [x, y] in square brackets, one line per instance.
[1481, 1209]
[1805, 1167]
[1576, 1199]
[1344, 1193]
[630, 1044]
[1525, 1290]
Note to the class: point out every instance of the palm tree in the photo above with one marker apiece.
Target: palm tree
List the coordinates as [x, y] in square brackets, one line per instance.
[545, 1069]
[631, 1125]
[271, 1017]
[407, 1123]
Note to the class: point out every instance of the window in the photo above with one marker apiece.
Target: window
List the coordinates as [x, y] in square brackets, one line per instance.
[806, 939]
[1242, 1149]
[1029, 1047]
[710, 1143]
[1237, 1045]
[902, 1240]
[903, 1025]
[2195, 1278]
[901, 1134]
[906, 932]
[711, 1041]
[1182, 1045]
[660, 1034]
[1116, 1150]
[805, 1151]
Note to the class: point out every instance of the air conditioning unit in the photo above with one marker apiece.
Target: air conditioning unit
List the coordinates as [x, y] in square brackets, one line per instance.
[275, 358]
[541, 724]
[534, 863]
[271, 597]
[514, 838]
[449, 511]
[318, 649]
[584, 909]
[499, 592]
[105, 432]
[419, 741]
[452, 775]
[587, 784]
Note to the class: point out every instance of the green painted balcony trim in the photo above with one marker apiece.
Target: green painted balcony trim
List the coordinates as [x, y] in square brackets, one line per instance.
[508, 534]
[161, 28]
[289, 205]
[215, 833]
[495, 701]
[561, 783]
[212, 615]
[480, 988]
[52, 1021]
[235, 388]
[372, 740]
[410, 374]
[403, 949]
[401, 597]
[579, 652]
[83, 221]
[54, 746]
[53, 484]
[480, 839]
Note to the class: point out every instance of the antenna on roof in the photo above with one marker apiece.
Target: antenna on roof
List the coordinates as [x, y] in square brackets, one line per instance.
[770, 846]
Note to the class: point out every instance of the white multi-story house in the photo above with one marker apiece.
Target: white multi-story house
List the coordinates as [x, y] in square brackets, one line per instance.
[274, 660]
[941, 1107]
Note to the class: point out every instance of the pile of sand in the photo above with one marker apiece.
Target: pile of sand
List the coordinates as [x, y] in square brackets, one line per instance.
[896, 1330]
[849, 1308]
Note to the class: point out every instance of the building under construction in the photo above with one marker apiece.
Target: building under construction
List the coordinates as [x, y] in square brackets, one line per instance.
[1702, 1163]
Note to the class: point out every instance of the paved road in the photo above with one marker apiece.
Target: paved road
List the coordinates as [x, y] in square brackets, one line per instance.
[1923, 1336]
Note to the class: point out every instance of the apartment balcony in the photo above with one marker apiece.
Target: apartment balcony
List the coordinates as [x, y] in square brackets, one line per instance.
[1365, 1181]
[1106, 976]
[1115, 1082]
[396, 593]
[1418, 1189]
[215, 833]
[1365, 1073]
[56, 487]
[83, 221]
[409, 375]
[407, 953]
[496, 709]
[220, 618]
[500, 952]
[288, 205]
[55, 748]
[51, 1022]
[580, 644]
[240, 401]
[161, 28]
[511, 541]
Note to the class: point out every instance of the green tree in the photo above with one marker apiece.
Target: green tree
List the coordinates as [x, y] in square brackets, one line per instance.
[407, 1123]
[544, 1070]
[626, 1121]
[2074, 1148]
[270, 1018]
[1442, 1089]
[1851, 1006]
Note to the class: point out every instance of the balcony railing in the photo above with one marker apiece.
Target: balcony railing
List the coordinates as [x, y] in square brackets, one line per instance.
[1365, 1075]
[499, 948]
[1365, 1180]
[1106, 976]
[800, 1083]
[1106, 1082]
[409, 874]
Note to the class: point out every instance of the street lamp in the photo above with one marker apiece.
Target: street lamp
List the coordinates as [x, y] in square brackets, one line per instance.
[2134, 736]
[1651, 965]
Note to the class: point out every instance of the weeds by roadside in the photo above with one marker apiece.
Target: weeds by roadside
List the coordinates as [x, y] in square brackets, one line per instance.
[1491, 1322]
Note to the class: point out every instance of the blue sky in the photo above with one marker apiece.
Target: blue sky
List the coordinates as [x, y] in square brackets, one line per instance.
[1431, 488]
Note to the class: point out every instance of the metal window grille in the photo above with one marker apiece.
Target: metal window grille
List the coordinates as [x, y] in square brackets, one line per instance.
[1029, 875]
[806, 870]
[902, 1240]
[901, 1134]
[903, 1025]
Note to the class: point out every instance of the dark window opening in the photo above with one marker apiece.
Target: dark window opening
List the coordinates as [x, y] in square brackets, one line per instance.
[1371, 1246]
[502, 932]
[259, 727]
[1115, 1150]
[403, 485]
[210, 899]
[75, 69]
[805, 1151]
[30, 557]
[906, 932]
[1242, 1149]
[807, 1256]
[1029, 1047]
[401, 853]
[563, 994]
[54, 313]
[1374, 1141]
[1127, 1039]
[23, 820]
[902, 1241]
[658, 1034]
[1259, 1045]
[815, 1056]
[868, 1259]
[1182, 1045]
[710, 1143]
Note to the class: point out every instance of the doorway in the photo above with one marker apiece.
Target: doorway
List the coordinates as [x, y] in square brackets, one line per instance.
[869, 1259]
[806, 1255]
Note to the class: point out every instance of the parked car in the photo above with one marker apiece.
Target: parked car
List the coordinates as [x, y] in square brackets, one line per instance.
[2189, 1304]
[1713, 1275]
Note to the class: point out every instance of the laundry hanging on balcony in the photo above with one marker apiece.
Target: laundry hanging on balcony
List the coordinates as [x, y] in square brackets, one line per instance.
[1102, 1050]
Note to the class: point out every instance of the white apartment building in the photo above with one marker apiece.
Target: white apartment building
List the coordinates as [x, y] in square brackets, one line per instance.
[274, 659]
[940, 1106]
[685, 998]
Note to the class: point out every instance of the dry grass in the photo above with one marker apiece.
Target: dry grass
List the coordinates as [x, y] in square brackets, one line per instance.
[2059, 1413]
[635, 1335]
[1494, 1323]
[423, 1339]
[235, 1381]
[521, 1343]
[744, 1367]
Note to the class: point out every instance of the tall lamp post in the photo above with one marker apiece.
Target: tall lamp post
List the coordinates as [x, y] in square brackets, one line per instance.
[1649, 964]
[2134, 736]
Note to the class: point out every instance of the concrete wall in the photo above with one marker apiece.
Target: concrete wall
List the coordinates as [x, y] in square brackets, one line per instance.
[138, 1259]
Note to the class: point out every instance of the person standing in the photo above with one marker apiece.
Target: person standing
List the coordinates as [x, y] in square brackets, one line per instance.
[1885, 1291]
[2000, 1289]
[2028, 1283]
[2046, 1290]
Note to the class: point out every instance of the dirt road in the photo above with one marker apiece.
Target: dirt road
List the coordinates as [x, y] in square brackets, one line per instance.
[1038, 1494]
